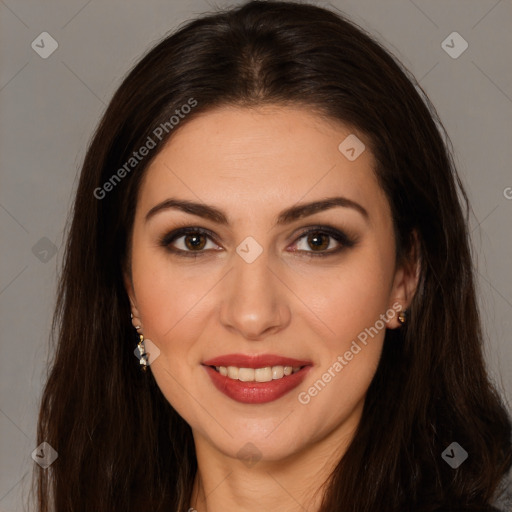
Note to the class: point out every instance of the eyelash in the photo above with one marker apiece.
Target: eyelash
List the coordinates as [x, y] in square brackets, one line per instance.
[340, 237]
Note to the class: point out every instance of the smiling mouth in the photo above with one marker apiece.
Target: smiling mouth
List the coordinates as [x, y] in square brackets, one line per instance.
[264, 374]
[260, 384]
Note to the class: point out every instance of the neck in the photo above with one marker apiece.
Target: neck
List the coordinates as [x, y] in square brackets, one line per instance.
[227, 484]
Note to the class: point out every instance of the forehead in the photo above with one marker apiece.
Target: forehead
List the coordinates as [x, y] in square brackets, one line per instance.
[261, 159]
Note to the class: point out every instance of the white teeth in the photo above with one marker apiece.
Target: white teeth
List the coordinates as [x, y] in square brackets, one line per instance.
[265, 374]
[245, 374]
[277, 372]
[233, 372]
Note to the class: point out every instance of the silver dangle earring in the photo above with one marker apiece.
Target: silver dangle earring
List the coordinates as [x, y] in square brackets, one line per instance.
[142, 351]
[143, 359]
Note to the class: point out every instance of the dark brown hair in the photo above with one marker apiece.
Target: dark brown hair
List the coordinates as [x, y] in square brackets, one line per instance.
[121, 445]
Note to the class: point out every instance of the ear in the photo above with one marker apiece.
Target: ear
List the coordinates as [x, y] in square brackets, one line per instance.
[405, 283]
[128, 284]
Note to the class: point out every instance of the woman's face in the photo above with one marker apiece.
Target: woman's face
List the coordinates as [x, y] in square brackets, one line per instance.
[264, 272]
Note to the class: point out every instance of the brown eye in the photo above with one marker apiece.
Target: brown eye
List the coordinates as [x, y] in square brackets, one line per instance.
[195, 241]
[323, 241]
[318, 241]
[189, 242]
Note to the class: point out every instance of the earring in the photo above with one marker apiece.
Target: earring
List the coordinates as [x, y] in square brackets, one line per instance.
[402, 316]
[142, 351]
[135, 322]
[143, 359]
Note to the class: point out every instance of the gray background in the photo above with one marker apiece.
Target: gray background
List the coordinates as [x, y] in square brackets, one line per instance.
[50, 107]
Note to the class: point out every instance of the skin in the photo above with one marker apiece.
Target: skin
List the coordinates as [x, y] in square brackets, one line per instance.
[252, 164]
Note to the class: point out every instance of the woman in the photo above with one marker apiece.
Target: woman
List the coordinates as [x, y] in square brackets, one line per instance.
[268, 216]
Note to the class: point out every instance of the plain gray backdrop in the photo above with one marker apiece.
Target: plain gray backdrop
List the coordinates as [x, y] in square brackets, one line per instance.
[50, 107]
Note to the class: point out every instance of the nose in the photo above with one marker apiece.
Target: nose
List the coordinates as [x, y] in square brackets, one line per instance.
[255, 301]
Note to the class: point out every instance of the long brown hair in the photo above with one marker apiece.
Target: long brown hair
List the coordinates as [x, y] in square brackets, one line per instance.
[121, 445]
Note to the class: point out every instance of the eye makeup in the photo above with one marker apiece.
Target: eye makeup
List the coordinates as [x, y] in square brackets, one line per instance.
[312, 234]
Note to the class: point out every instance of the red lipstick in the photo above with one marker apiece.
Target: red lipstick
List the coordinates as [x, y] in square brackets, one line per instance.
[256, 392]
[255, 361]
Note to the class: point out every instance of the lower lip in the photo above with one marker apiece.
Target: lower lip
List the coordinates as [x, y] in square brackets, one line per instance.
[256, 392]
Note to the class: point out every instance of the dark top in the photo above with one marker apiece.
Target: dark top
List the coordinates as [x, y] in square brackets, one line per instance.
[485, 509]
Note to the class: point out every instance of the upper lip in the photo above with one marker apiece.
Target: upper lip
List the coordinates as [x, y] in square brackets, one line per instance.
[255, 361]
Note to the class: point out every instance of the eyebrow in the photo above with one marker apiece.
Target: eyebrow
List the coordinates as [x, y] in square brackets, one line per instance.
[285, 217]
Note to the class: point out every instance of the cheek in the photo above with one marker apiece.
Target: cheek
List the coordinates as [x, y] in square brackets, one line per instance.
[350, 308]
[172, 307]
[167, 297]
[167, 306]
[349, 299]
[349, 296]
